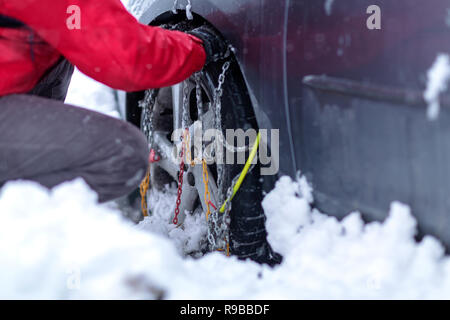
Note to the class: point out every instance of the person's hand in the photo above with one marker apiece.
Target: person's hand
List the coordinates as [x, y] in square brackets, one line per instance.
[216, 48]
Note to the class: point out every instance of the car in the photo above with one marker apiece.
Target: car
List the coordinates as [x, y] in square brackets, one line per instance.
[342, 81]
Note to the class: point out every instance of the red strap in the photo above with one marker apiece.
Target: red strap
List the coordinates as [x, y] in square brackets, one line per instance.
[153, 157]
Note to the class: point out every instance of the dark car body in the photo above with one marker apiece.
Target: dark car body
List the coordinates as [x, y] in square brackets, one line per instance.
[348, 100]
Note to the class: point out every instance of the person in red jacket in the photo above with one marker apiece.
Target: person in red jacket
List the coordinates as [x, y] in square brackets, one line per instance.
[44, 140]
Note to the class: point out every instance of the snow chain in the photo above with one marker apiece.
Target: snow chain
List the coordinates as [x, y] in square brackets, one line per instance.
[147, 106]
[218, 219]
[180, 179]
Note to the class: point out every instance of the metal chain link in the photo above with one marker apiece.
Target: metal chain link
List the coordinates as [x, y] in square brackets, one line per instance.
[218, 92]
[188, 9]
[185, 108]
[174, 7]
[184, 143]
[148, 105]
[218, 224]
[180, 183]
[198, 95]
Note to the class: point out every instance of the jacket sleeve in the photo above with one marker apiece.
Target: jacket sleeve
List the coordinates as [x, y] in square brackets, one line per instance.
[111, 46]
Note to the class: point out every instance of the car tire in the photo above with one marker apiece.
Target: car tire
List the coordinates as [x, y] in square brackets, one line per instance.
[247, 227]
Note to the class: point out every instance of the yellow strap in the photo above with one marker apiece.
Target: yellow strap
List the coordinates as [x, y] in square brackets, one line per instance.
[187, 138]
[207, 193]
[143, 190]
[244, 172]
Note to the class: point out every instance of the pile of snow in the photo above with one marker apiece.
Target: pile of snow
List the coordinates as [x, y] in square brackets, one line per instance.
[62, 244]
[190, 238]
[438, 77]
[348, 259]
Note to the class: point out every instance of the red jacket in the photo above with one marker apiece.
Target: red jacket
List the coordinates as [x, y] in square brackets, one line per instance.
[111, 46]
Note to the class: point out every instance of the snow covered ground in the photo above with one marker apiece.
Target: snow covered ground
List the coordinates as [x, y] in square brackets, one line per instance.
[61, 244]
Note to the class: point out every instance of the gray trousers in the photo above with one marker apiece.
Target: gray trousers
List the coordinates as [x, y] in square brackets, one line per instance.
[46, 141]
